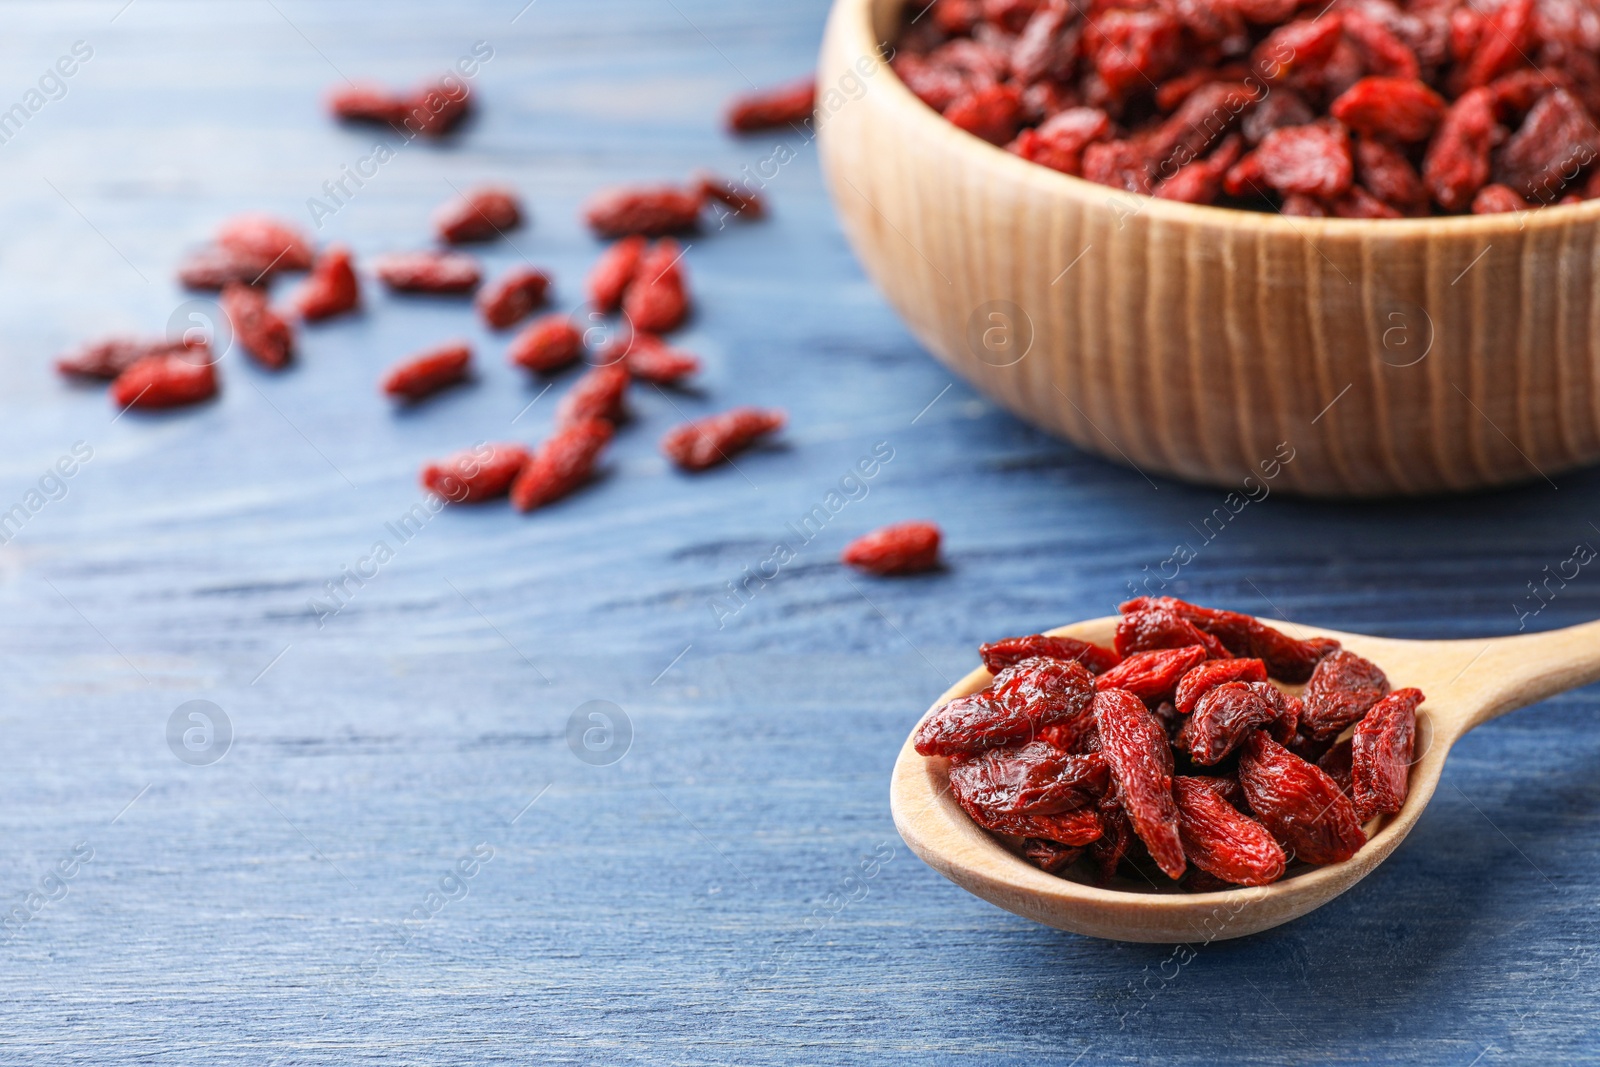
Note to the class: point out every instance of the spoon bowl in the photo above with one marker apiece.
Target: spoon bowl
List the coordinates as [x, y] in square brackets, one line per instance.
[1466, 683]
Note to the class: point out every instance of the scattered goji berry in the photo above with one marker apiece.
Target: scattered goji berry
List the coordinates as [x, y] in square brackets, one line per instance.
[598, 394]
[658, 299]
[773, 109]
[1137, 751]
[650, 211]
[1153, 675]
[1302, 807]
[213, 268]
[546, 344]
[428, 372]
[650, 359]
[165, 381]
[1341, 689]
[614, 271]
[261, 331]
[1221, 841]
[1380, 754]
[1198, 680]
[474, 475]
[104, 360]
[436, 107]
[998, 655]
[512, 297]
[745, 203]
[368, 102]
[429, 272]
[703, 443]
[479, 215]
[561, 464]
[331, 289]
[904, 548]
[274, 244]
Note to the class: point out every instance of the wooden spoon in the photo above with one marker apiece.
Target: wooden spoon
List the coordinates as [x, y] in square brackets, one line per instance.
[1466, 683]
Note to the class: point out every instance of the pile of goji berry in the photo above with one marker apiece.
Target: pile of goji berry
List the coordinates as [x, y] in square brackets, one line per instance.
[641, 276]
[1352, 109]
[1174, 748]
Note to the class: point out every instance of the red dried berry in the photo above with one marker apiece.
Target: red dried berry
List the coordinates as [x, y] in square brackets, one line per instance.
[1136, 750]
[991, 112]
[1153, 675]
[1312, 160]
[658, 299]
[1556, 141]
[1222, 719]
[1288, 659]
[1198, 681]
[1302, 807]
[614, 271]
[104, 360]
[436, 107]
[695, 446]
[1132, 50]
[1297, 48]
[1286, 707]
[165, 381]
[1156, 628]
[1382, 52]
[651, 211]
[973, 723]
[1078, 827]
[1502, 44]
[650, 359]
[213, 268]
[425, 374]
[1050, 690]
[561, 465]
[1496, 200]
[1401, 109]
[1058, 142]
[429, 272]
[1032, 779]
[275, 244]
[1341, 689]
[1388, 175]
[368, 102]
[904, 548]
[546, 344]
[598, 394]
[512, 297]
[744, 202]
[1457, 163]
[1279, 108]
[773, 109]
[261, 331]
[1222, 842]
[474, 475]
[998, 655]
[480, 215]
[1336, 764]
[1047, 44]
[331, 289]
[1380, 754]
[1048, 856]
[1115, 840]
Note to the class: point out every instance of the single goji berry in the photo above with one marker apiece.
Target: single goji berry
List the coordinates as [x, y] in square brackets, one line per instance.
[1356, 203]
[1047, 44]
[1077, 827]
[1457, 162]
[479, 215]
[435, 108]
[273, 243]
[1287, 658]
[512, 296]
[1298, 47]
[1221, 841]
[1059, 141]
[991, 112]
[744, 202]
[1132, 49]
[561, 464]
[1052, 690]
[331, 289]
[658, 299]
[1115, 840]
[1279, 108]
[695, 446]
[598, 394]
[998, 655]
[1222, 719]
[1286, 707]
[1137, 752]
[614, 271]
[1555, 142]
[1502, 44]
[973, 723]
[474, 475]
[648, 210]
[1336, 764]
[1341, 689]
[650, 359]
[1156, 628]
[106, 359]
[428, 372]
[1380, 754]
[429, 272]
[1302, 807]
[1496, 200]
[368, 102]
[1198, 680]
[1048, 856]
[1314, 160]
[546, 344]
[903, 548]
[773, 109]
[1388, 175]
[213, 268]
[165, 381]
[1401, 109]
[1382, 51]
[261, 331]
[1031, 779]
[1153, 675]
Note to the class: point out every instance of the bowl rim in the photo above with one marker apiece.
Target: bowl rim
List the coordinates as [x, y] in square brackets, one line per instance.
[855, 18]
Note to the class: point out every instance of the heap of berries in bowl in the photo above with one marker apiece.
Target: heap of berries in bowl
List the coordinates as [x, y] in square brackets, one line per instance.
[1206, 750]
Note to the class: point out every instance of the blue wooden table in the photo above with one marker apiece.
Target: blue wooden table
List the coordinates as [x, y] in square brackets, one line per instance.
[401, 858]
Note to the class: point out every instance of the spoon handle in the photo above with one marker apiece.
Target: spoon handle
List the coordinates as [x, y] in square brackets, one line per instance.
[1512, 672]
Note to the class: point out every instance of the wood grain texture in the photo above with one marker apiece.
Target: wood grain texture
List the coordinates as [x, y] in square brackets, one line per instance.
[674, 907]
[1399, 357]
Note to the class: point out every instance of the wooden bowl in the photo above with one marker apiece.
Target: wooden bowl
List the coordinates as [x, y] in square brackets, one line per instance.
[1385, 357]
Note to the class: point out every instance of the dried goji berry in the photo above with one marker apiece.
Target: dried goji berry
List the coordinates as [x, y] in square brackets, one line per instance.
[331, 289]
[261, 331]
[546, 344]
[165, 381]
[1382, 51]
[1502, 44]
[973, 723]
[1313, 160]
[1048, 856]
[614, 271]
[1555, 142]
[744, 202]
[998, 655]
[512, 296]
[1153, 675]
[474, 475]
[213, 268]
[658, 300]
[704, 443]
[904, 548]
[1031, 779]
[1341, 689]
[271, 242]
[1356, 203]
[1199, 182]
[479, 215]
[1115, 840]
[562, 464]
[648, 210]
[1134, 49]
[1051, 690]
[368, 102]
[428, 372]
[1388, 175]
[772, 109]
[1136, 750]
[1279, 108]
[1047, 44]
[1156, 628]
[598, 394]
[1221, 841]
[1457, 163]
[1302, 807]
[650, 359]
[991, 112]
[1222, 719]
[1297, 47]
[1059, 141]
[108, 358]
[1288, 659]
[1496, 200]
[1198, 680]
[1077, 827]
[1401, 109]
[1336, 764]
[1380, 754]
[429, 272]
[436, 107]
[1286, 707]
